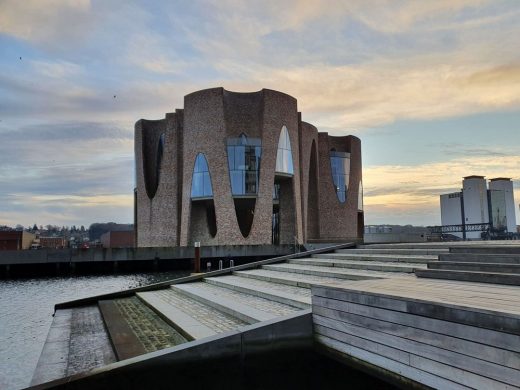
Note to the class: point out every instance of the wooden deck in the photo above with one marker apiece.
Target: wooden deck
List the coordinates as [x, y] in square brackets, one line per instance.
[442, 334]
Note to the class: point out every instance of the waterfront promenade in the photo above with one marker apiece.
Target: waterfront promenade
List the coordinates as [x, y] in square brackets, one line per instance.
[363, 306]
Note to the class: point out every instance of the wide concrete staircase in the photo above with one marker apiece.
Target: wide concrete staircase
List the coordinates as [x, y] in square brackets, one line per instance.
[148, 321]
[483, 264]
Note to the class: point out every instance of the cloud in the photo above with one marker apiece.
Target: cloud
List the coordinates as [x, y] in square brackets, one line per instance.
[385, 91]
[44, 20]
[57, 69]
[28, 209]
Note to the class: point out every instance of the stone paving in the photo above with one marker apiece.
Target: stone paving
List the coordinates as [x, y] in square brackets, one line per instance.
[258, 303]
[274, 276]
[212, 318]
[299, 268]
[252, 283]
[152, 331]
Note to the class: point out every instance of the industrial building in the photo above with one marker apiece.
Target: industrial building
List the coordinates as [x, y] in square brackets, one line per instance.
[244, 169]
[477, 209]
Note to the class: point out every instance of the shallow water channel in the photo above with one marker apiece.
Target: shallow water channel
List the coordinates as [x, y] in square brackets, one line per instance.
[26, 307]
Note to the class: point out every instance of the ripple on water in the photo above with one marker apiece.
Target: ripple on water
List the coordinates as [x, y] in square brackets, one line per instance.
[26, 307]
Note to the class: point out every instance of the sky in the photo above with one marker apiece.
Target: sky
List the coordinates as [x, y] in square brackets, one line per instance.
[431, 87]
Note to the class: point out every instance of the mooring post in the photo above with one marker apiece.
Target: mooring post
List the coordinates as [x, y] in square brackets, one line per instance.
[220, 264]
[196, 265]
[231, 263]
[208, 266]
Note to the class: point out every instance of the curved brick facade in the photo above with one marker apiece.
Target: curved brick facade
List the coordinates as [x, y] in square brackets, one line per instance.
[308, 208]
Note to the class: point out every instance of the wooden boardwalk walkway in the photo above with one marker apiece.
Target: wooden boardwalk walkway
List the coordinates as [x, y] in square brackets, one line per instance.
[442, 334]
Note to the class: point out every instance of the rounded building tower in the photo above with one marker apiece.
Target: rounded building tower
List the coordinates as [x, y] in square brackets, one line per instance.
[243, 169]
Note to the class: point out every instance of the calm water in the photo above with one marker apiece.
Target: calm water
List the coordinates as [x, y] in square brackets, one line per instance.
[26, 307]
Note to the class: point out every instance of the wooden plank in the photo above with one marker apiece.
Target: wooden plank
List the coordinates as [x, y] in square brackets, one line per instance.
[471, 286]
[393, 366]
[473, 299]
[440, 285]
[486, 336]
[482, 368]
[459, 376]
[417, 290]
[461, 314]
[466, 347]
[386, 351]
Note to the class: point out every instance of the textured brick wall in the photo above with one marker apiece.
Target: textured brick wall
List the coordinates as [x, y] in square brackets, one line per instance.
[338, 220]
[208, 119]
[157, 217]
[308, 137]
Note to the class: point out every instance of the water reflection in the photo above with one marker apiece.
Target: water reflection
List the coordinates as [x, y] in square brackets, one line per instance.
[26, 307]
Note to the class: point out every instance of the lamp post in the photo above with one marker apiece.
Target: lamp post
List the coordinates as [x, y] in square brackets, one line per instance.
[197, 257]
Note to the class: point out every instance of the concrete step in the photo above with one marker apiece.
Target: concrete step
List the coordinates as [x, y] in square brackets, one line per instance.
[337, 273]
[395, 251]
[488, 249]
[480, 258]
[247, 307]
[420, 259]
[77, 341]
[136, 329]
[361, 265]
[468, 276]
[418, 245]
[476, 267]
[287, 279]
[288, 295]
[191, 318]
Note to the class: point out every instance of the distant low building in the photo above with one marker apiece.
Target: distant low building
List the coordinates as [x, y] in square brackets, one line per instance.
[118, 239]
[53, 242]
[16, 240]
[476, 204]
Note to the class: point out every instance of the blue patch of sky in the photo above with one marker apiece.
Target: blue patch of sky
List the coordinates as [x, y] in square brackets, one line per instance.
[413, 142]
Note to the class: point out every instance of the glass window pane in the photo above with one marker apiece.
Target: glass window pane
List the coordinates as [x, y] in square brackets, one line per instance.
[231, 157]
[340, 167]
[197, 185]
[237, 182]
[240, 161]
[207, 184]
[242, 158]
[288, 161]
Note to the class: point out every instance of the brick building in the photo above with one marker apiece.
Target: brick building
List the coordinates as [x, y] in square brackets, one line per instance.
[244, 169]
[118, 239]
[16, 240]
[53, 242]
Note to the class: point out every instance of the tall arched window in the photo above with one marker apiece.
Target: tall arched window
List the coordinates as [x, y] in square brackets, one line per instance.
[340, 165]
[284, 161]
[201, 181]
[244, 164]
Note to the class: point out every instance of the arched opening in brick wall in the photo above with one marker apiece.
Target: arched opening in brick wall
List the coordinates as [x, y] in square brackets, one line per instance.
[340, 168]
[283, 217]
[244, 155]
[153, 149]
[313, 225]
[203, 221]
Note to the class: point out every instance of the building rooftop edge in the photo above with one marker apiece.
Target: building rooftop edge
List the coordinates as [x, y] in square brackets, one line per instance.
[500, 178]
